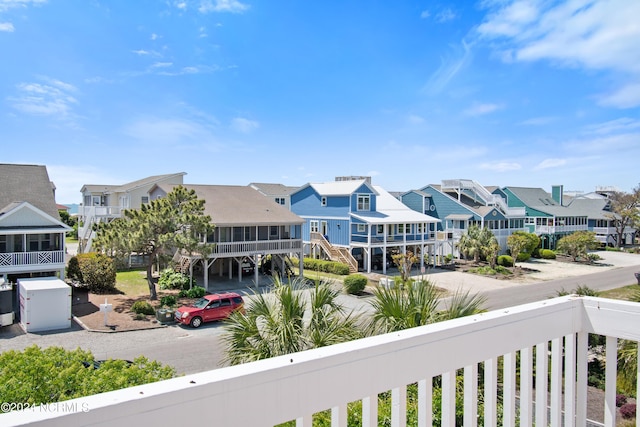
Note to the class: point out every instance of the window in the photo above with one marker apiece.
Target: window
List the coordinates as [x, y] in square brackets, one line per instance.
[323, 201]
[361, 228]
[3, 244]
[420, 228]
[380, 229]
[144, 200]
[314, 226]
[364, 201]
[280, 200]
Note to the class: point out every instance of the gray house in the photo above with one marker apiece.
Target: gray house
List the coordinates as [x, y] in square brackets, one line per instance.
[32, 237]
[249, 228]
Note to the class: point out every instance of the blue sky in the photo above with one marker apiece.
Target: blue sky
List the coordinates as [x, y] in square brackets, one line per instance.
[522, 93]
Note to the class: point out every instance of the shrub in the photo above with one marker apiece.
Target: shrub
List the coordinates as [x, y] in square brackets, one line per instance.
[612, 249]
[142, 307]
[621, 399]
[73, 269]
[183, 293]
[196, 292]
[547, 254]
[505, 261]
[355, 283]
[168, 301]
[628, 411]
[171, 279]
[536, 253]
[98, 272]
[523, 256]
[591, 257]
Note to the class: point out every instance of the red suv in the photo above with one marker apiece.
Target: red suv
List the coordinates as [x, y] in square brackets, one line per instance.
[210, 308]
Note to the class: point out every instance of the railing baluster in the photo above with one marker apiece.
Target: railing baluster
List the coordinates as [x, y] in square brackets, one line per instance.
[399, 407]
[339, 416]
[471, 395]
[425, 402]
[582, 375]
[490, 392]
[305, 421]
[542, 370]
[370, 411]
[526, 387]
[509, 390]
[611, 369]
[569, 380]
[449, 399]
[556, 382]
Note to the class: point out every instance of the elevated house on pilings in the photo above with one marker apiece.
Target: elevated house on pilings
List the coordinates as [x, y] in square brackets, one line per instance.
[32, 237]
[461, 203]
[103, 203]
[250, 229]
[352, 221]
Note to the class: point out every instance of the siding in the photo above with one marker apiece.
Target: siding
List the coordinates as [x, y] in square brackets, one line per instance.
[446, 206]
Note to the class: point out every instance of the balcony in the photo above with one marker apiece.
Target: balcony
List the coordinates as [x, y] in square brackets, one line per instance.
[13, 262]
[257, 246]
[554, 333]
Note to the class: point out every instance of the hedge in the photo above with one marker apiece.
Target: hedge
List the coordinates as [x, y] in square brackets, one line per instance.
[326, 266]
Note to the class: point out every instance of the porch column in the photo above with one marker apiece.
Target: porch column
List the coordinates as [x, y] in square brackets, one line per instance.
[384, 249]
[230, 268]
[368, 258]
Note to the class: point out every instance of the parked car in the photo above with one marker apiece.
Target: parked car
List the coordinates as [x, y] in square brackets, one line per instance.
[247, 267]
[209, 308]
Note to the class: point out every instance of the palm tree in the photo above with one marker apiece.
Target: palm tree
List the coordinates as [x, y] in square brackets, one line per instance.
[470, 244]
[417, 305]
[285, 321]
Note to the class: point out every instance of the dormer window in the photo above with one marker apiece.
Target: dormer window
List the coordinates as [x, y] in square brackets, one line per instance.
[323, 201]
[364, 202]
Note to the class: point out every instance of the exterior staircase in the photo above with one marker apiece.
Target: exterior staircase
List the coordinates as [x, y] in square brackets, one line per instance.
[335, 253]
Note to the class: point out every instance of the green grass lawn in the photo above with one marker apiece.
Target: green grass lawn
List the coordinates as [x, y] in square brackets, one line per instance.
[133, 282]
[625, 293]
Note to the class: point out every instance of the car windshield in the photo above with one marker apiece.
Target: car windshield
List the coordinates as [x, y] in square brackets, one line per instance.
[201, 303]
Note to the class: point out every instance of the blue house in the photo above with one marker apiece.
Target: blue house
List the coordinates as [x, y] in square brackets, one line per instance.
[352, 221]
[460, 203]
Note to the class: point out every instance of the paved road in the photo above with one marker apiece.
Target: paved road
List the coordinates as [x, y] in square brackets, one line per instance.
[196, 350]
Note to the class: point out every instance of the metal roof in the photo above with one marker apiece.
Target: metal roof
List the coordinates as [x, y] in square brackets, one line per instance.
[390, 210]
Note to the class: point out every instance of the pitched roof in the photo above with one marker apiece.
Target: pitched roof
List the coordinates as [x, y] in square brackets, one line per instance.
[123, 188]
[534, 197]
[593, 208]
[273, 189]
[340, 188]
[237, 205]
[390, 210]
[27, 183]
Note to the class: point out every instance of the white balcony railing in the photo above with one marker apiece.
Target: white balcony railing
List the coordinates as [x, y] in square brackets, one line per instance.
[100, 211]
[259, 246]
[24, 259]
[554, 333]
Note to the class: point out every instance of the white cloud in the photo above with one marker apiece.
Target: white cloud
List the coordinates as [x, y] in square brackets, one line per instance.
[154, 36]
[174, 132]
[621, 124]
[415, 119]
[232, 6]
[425, 14]
[162, 64]
[479, 109]
[590, 34]
[53, 98]
[538, 121]
[445, 15]
[501, 166]
[6, 27]
[243, 125]
[627, 96]
[449, 68]
[550, 163]
[11, 4]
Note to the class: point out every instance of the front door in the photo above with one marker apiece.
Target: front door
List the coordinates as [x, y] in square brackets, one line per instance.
[324, 228]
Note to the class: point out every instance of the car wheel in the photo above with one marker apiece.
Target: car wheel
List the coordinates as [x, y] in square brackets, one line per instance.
[196, 322]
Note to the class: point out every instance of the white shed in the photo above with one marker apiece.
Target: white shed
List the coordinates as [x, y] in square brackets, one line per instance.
[45, 304]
